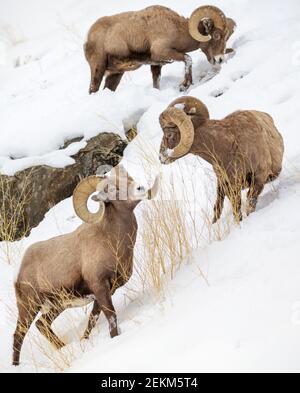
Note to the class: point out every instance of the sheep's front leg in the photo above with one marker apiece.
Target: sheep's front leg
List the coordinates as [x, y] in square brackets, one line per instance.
[188, 76]
[219, 203]
[102, 292]
[94, 316]
[162, 53]
[234, 194]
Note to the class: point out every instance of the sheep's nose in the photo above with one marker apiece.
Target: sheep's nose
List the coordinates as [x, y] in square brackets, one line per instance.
[219, 59]
[162, 158]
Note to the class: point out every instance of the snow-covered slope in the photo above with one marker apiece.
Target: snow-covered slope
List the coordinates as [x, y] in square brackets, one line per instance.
[245, 314]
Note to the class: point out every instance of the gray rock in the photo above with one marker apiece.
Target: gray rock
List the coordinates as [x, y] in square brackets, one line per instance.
[26, 197]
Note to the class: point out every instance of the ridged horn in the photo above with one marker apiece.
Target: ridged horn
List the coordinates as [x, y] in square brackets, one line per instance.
[80, 199]
[206, 12]
[192, 106]
[178, 117]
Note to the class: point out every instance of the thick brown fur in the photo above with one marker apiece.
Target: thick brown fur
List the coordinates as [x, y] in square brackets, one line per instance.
[89, 263]
[245, 150]
[155, 36]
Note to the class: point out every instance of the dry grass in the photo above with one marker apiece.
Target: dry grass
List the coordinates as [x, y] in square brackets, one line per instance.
[13, 201]
[131, 134]
[173, 228]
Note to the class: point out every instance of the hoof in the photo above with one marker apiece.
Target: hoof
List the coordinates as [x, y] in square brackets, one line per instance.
[249, 211]
[114, 332]
[183, 87]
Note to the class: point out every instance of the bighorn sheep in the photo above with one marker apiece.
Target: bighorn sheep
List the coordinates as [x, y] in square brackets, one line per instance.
[245, 149]
[86, 265]
[156, 36]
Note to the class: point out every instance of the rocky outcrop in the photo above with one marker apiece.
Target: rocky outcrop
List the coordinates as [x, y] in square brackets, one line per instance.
[27, 196]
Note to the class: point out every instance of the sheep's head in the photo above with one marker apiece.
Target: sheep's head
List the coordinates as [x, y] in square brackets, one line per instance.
[178, 127]
[209, 26]
[118, 189]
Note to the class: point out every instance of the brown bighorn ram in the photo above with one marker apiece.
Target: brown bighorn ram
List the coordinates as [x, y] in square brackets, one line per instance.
[86, 265]
[245, 149]
[156, 36]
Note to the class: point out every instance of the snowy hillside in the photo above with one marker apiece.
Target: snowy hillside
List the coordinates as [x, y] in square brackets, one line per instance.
[234, 304]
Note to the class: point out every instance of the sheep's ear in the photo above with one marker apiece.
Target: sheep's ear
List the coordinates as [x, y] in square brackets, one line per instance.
[101, 197]
[208, 25]
[121, 170]
[103, 170]
[192, 111]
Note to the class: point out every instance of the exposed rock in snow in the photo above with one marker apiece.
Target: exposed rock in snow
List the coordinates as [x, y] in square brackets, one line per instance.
[26, 197]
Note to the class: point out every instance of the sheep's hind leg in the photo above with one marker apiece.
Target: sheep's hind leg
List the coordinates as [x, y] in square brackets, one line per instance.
[156, 75]
[26, 317]
[235, 197]
[97, 74]
[94, 316]
[112, 81]
[255, 190]
[44, 326]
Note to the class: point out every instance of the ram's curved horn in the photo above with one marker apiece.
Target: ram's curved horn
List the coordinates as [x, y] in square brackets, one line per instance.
[191, 106]
[81, 196]
[178, 117]
[206, 12]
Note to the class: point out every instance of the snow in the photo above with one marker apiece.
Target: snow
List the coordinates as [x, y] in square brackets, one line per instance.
[57, 159]
[245, 314]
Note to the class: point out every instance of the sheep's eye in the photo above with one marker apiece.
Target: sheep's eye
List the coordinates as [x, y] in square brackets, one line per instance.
[216, 36]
